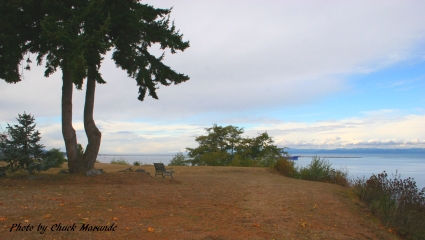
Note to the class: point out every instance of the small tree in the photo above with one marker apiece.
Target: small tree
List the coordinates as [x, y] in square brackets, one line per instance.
[178, 160]
[20, 146]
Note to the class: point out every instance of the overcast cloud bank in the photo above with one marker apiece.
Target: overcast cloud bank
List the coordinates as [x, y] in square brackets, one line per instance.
[253, 65]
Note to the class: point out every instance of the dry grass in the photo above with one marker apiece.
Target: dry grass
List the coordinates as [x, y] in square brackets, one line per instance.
[200, 203]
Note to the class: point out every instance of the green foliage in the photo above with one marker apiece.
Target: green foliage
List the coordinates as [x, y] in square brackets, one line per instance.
[317, 170]
[54, 158]
[178, 160]
[286, 167]
[224, 146]
[21, 148]
[119, 161]
[321, 170]
[220, 142]
[80, 149]
[397, 202]
[75, 36]
[136, 163]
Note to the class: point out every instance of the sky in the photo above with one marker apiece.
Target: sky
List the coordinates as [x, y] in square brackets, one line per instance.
[312, 74]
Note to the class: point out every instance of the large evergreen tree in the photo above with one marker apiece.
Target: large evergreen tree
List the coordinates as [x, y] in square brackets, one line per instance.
[74, 35]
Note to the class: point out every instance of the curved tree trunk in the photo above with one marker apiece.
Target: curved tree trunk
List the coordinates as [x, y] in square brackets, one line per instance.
[68, 131]
[92, 132]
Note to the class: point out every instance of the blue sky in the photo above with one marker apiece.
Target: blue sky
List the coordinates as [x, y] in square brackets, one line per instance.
[313, 74]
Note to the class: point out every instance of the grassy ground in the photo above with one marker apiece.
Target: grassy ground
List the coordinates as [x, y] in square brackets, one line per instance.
[200, 203]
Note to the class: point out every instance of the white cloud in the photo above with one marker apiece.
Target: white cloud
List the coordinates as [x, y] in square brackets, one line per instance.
[354, 133]
[363, 132]
[249, 56]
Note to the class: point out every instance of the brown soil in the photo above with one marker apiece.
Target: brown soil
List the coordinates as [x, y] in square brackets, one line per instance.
[200, 203]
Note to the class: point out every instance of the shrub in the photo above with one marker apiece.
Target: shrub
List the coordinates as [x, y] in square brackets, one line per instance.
[54, 158]
[339, 177]
[321, 170]
[285, 167]
[136, 163]
[178, 160]
[119, 161]
[317, 170]
[398, 203]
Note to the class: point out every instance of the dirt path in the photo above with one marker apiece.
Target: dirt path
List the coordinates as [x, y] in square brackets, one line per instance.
[200, 203]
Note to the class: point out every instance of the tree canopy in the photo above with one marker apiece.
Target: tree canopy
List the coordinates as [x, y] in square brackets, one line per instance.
[226, 146]
[74, 36]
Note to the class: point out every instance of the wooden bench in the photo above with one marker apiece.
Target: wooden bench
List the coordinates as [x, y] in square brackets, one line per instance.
[161, 170]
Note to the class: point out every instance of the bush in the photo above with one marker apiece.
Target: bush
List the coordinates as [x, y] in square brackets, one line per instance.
[398, 203]
[119, 161]
[178, 160]
[54, 158]
[285, 167]
[317, 170]
[137, 163]
[321, 170]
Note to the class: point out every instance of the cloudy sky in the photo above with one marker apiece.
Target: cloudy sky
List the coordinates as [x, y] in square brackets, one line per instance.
[313, 74]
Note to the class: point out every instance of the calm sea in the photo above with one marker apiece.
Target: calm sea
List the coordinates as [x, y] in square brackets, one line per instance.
[361, 165]
[358, 164]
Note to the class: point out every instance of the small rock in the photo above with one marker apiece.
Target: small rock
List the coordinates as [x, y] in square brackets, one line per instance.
[93, 172]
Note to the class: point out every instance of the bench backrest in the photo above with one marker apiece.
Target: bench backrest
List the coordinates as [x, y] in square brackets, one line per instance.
[159, 167]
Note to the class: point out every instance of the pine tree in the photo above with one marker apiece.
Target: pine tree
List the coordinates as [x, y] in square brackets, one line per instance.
[20, 146]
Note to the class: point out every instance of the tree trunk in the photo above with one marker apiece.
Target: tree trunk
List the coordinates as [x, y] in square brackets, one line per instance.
[92, 132]
[68, 131]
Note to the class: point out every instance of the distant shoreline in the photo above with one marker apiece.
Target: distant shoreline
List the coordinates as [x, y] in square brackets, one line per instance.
[154, 154]
[138, 155]
[327, 156]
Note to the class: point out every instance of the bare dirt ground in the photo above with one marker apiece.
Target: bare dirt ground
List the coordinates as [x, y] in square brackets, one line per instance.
[200, 203]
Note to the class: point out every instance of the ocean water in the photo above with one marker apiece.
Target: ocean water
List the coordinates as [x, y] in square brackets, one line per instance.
[142, 158]
[358, 165]
[364, 165]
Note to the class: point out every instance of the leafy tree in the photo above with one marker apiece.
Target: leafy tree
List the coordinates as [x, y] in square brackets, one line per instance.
[260, 150]
[74, 36]
[226, 146]
[217, 147]
[178, 160]
[21, 148]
